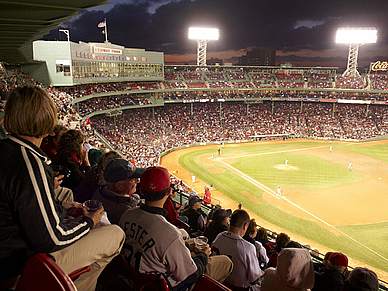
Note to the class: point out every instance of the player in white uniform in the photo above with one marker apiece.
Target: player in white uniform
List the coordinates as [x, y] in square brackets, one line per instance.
[246, 270]
[286, 162]
[350, 166]
[279, 191]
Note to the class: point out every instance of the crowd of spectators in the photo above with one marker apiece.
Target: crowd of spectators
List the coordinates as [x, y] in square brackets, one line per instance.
[110, 102]
[175, 126]
[236, 76]
[379, 82]
[142, 135]
[10, 79]
[236, 80]
[346, 82]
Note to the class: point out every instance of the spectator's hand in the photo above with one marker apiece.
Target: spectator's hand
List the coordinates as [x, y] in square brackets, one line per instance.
[86, 157]
[58, 181]
[95, 216]
[205, 249]
[67, 205]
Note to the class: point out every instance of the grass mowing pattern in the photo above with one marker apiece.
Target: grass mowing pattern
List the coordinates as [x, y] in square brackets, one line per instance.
[312, 173]
[320, 174]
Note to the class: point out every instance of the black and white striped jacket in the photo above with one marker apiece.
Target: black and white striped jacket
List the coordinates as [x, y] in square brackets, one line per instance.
[30, 217]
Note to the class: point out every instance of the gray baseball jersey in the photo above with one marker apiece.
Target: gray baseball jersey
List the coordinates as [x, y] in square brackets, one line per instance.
[153, 245]
[243, 255]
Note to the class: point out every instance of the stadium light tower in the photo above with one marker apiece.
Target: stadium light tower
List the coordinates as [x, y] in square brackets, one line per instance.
[202, 36]
[354, 38]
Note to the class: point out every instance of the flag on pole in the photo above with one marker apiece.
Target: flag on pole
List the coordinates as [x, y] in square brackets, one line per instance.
[102, 24]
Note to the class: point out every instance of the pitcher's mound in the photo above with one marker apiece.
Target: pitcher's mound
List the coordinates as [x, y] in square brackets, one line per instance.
[286, 168]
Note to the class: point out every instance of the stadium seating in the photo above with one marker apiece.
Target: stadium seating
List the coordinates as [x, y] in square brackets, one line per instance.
[144, 282]
[206, 283]
[41, 273]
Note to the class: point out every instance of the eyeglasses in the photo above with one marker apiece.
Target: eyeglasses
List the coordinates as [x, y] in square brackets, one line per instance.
[133, 180]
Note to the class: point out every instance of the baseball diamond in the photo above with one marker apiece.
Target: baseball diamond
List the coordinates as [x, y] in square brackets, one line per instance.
[323, 204]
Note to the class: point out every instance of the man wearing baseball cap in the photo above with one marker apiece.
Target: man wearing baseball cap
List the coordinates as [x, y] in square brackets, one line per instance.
[361, 279]
[117, 195]
[331, 277]
[153, 245]
[196, 219]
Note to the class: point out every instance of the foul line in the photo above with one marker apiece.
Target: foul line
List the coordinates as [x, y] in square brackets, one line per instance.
[269, 153]
[271, 192]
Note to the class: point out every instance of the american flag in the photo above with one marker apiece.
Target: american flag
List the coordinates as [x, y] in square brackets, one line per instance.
[102, 24]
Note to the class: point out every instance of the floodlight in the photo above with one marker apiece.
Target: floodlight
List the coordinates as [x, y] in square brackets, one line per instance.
[356, 35]
[202, 36]
[203, 33]
[354, 38]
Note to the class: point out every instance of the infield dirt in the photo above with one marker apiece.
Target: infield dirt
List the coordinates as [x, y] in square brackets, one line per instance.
[351, 195]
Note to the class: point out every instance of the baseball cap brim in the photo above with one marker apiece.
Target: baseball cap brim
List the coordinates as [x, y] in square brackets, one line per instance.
[194, 200]
[138, 172]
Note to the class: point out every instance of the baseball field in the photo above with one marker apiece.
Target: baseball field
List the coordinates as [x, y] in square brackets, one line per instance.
[324, 203]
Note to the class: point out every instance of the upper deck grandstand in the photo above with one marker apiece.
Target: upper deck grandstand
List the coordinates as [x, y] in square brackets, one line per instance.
[144, 110]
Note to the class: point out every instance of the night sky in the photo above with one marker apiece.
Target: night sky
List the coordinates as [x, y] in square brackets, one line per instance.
[302, 31]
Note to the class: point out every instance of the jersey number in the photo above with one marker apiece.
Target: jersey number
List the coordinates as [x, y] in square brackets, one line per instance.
[137, 256]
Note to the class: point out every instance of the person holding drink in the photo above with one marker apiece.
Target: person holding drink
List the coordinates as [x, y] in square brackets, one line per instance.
[32, 221]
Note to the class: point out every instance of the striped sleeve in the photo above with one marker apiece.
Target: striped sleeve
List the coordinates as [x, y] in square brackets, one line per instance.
[38, 213]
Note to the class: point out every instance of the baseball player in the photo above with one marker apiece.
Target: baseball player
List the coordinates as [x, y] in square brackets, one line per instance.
[279, 191]
[331, 148]
[246, 271]
[286, 162]
[350, 166]
[193, 178]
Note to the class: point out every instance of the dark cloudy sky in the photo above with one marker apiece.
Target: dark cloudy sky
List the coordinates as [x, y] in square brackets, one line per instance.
[302, 31]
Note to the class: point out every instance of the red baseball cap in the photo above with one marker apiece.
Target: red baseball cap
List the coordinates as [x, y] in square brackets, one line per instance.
[338, 259]
[155, 179]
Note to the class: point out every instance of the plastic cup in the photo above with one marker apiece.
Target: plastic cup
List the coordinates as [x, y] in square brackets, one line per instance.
[93, 205]
[201, 242]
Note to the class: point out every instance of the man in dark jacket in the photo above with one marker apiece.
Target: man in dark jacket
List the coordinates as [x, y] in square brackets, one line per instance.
[196, 220]
[219, 224]
[331, 277]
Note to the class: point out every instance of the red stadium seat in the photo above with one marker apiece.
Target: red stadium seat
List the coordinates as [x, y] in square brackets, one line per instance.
[235, 288]
[209, 284]
[181, 224]
[144, 282]
[43, 274]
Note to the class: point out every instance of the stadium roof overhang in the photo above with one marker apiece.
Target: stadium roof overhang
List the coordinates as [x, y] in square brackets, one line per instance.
[24, 21]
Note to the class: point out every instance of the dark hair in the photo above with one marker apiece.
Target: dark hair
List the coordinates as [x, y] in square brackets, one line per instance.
[262, 234]
[30, 111]
[239, 218]
[282, 239]
[154, 196]
[293, 244]
[327, 255]
[251, 227]
[70, 142]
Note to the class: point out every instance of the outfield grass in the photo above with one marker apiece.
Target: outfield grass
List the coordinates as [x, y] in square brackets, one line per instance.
[312, 174]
